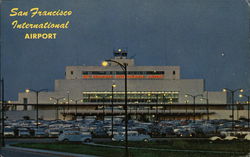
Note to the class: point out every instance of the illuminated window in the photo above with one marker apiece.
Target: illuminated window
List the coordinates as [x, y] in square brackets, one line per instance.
[133, 97]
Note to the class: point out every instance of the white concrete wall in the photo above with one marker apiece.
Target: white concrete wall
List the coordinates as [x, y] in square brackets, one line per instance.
[76, 87]
[44, 114]
[216, 97]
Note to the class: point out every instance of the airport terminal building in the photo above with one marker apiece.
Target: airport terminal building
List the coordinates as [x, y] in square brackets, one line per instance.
[94, 83]
[159, 85]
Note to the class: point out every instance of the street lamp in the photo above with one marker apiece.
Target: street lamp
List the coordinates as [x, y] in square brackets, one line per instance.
[248, 108]
[232, 101]
[37, 93]
[76, 101]
[112, 103]
[194, 97]
[124, 68]
[57, 101]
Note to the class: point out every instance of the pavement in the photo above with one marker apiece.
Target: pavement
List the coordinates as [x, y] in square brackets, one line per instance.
[46, 152]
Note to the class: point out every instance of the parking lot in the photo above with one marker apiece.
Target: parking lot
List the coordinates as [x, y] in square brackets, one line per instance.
[103, 128]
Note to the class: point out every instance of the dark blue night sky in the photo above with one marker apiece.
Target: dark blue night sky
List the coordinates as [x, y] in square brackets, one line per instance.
[207, 38]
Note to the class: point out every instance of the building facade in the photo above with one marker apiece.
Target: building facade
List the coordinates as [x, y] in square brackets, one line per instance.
[92, 84]
[159, 85]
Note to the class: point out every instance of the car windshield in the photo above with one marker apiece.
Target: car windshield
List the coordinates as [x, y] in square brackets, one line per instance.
[8, 129]
[54, 130]
[72, 133]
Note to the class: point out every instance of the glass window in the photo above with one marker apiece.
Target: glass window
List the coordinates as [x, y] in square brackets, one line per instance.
[119, 72]
[99, 72]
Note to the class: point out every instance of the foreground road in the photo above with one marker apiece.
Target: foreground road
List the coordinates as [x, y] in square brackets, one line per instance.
[29, 140]
[8, 152]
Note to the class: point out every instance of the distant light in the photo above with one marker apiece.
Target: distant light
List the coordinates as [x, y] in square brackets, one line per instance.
[241, 90]
[50, 98]
[224, 90]
[119, 50]
[104, 63]
[113, 85]
[186, 95]
[240, 95]
[27, 90]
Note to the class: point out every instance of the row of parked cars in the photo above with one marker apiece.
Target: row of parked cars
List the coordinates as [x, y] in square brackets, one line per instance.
[137, 130]
[77, 136]
[229, 138]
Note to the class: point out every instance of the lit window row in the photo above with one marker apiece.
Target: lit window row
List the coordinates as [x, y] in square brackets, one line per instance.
[121, 72]
[133, 97]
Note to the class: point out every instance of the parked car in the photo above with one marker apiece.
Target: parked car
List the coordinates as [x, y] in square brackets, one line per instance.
[132, 136]
[74, 136]
[40, 133]
[184, 133]
[230, 138]
[8, 131]
[215, 138]
[23, 132]
[247, 137]
[167, 131]
[53, 132]
[99, 132]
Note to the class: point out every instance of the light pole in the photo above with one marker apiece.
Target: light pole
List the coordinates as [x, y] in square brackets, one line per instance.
[3, 113]
[186, 102]
[248, 108]
[206, 107]
[57, 102]
[112, 103]
[103, 108]
[68, 99]
[124, 68]
[194, 97]
[232, 101]
[76, 101]
[37, 93]
[157, 112]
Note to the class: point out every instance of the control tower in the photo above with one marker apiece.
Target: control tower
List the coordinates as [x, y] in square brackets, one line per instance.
[120, 55]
